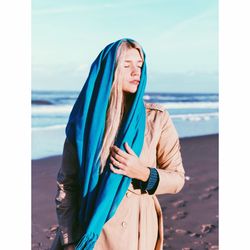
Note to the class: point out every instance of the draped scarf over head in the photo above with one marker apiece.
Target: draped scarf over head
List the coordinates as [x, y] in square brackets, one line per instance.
[101, 194]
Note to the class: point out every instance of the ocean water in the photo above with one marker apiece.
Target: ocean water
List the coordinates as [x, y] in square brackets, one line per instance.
[192, 114]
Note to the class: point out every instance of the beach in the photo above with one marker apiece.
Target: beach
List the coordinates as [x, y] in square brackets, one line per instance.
[190, 217]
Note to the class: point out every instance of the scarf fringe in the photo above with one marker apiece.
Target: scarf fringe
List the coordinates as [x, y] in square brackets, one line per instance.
[87, 242]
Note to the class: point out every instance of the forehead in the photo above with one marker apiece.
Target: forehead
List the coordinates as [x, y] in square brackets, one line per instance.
[132, 55]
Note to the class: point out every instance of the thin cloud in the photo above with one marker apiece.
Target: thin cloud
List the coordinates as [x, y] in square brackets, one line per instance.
[92, 7]
[204, 17]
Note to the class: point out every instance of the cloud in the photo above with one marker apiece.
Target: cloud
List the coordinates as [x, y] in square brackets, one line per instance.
[206, 19]
[94, 6]
[191, 44]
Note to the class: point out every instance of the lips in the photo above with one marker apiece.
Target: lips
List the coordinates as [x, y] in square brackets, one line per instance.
[136, 82]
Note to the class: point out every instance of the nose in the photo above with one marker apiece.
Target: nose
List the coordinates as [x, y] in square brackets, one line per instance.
[135, 71]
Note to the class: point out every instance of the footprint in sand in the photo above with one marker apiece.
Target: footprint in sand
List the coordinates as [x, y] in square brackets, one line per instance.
[211, 188]
[214, 247]
[182, 231]
[196, 235]
[169, 231]
[179, 215]
[179, 203]
[53, 228]
[51, 232]
[205, 196]
[50, 237]
[37, 245]
[207, 228]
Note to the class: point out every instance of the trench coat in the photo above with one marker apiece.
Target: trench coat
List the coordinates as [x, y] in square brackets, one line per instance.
[138, 221]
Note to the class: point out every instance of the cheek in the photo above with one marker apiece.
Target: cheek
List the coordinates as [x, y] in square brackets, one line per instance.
[126, 77]
[127, 74]
[125, 84]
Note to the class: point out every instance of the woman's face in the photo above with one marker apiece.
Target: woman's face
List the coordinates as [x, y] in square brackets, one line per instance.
[131, 70]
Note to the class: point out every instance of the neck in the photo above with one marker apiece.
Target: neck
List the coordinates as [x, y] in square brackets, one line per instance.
[128, 98]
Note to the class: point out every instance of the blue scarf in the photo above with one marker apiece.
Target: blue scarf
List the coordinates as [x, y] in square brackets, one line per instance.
[101, 194]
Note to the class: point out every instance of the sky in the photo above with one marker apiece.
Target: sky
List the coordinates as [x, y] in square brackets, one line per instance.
[179, 37]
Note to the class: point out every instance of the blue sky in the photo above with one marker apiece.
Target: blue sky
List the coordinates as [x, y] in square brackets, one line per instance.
[180, 38]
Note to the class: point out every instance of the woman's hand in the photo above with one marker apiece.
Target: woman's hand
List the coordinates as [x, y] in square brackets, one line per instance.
[128, 163]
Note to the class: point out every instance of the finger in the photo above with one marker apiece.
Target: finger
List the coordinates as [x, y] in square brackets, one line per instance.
[115, 170]
[118, 158]
[117, 163]
[129, 149]
[120, 152]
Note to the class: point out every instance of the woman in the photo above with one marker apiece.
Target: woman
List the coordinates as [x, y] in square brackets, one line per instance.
[118, 154]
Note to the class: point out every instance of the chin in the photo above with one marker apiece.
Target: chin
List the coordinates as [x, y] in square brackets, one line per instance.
[131, 91]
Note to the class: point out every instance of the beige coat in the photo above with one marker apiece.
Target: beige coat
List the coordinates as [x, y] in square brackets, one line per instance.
[138, 222]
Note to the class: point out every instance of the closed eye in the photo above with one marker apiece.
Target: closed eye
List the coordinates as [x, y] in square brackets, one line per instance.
[126, 66]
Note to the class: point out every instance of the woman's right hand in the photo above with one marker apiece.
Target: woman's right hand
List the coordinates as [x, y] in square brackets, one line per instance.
[69, 247]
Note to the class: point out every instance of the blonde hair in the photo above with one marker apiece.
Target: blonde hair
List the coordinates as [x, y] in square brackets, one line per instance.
[116, 105]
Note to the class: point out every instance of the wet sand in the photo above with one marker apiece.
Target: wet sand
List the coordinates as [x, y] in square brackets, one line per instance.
[190, 217]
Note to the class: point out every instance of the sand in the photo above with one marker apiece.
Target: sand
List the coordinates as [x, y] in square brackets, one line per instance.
[190, 217]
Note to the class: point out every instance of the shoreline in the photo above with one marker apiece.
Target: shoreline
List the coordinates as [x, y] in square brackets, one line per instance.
[181, 139]
[190, 217]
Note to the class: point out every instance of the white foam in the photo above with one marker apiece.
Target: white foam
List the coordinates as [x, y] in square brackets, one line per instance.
[188, 105]
[53, 109]
[66, 109]
[52, 127]
[195, 117]
[146, 97]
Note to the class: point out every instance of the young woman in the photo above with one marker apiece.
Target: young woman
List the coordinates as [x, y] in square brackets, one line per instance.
[119, 153]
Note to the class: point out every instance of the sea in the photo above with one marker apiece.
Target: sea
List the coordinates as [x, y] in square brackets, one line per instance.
[193, 114]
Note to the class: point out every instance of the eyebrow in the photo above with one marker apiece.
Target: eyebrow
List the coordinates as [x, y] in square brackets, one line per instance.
[131, 61]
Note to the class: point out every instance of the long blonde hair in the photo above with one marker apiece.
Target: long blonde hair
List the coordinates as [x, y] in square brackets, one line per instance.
[116, 105]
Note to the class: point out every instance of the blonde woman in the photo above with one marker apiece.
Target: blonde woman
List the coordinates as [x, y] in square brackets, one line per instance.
[119, 153]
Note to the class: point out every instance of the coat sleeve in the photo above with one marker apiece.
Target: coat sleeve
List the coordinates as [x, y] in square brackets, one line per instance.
[169, 160]
[67, 193]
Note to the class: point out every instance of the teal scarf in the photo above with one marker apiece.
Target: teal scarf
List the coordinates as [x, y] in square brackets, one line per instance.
[102, 194]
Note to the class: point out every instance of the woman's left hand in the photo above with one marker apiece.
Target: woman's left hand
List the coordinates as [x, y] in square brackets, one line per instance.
[128, 163]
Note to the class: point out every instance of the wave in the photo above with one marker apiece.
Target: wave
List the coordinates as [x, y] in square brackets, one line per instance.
[195, 117]
[66, 109]
[147, 97]
[52, 127]
[181, 97]
[186, 117]
[69, 97]
[41, 102]
[54, 109]
[188, 105]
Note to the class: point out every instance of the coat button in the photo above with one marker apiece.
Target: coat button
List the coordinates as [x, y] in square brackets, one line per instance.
[124, 224]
